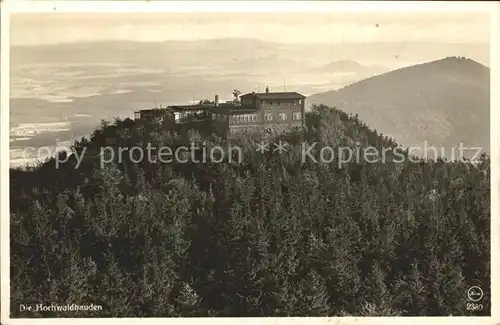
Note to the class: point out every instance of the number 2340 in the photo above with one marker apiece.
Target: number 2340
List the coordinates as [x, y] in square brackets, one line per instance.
[474, 307]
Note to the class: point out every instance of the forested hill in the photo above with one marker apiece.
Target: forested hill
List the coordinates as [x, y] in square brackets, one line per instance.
[444, 102]
[269, 236]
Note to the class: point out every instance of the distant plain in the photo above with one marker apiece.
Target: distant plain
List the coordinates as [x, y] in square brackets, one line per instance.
[62, 91]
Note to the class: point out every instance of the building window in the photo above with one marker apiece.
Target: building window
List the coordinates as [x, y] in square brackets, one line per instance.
[282, 116]
[254, 117]
[269, 117]
[297, 116]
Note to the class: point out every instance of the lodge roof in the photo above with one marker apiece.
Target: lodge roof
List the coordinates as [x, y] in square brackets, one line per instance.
[232, 109]
[192, 107]
[280, 95]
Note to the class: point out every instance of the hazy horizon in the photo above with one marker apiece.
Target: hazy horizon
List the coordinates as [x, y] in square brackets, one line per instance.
[66, 70]
[55, 28]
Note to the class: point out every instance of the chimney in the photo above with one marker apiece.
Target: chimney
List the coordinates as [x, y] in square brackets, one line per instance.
[216, 100]
[267, 89]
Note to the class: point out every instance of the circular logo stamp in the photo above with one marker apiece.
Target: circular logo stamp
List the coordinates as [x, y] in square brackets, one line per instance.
[475, 293]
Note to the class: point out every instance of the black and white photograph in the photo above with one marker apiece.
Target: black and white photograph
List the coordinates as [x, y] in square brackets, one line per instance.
[248, 159]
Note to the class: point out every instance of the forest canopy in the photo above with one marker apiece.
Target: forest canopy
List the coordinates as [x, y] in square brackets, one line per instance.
[269, 236]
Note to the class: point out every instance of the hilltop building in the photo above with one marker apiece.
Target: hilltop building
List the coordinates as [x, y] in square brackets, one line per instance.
[254, 110]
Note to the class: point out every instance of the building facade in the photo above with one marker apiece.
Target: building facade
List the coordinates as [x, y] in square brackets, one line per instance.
[254, 111]
[279, 108]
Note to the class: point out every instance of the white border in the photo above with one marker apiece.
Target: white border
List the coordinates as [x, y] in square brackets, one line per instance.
[494, 146]
[23, 6]
[4, 161]
[245, 6]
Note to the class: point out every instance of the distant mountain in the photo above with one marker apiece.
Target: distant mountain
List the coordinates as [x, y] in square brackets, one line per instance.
[263, 64]
[340, 66]
[349, 67]
[152, 54]
[444, 102]
[171, 54]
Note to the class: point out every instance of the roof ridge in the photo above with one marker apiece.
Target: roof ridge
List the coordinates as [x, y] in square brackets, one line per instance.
[285, 94]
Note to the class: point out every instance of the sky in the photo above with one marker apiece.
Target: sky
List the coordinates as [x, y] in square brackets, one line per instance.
[53, 28]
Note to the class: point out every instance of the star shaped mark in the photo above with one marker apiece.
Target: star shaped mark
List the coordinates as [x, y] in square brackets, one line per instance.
[262, 147]
[280, 146]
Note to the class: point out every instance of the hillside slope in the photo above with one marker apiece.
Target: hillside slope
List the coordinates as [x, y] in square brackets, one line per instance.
[267, 236]
[444, 102]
